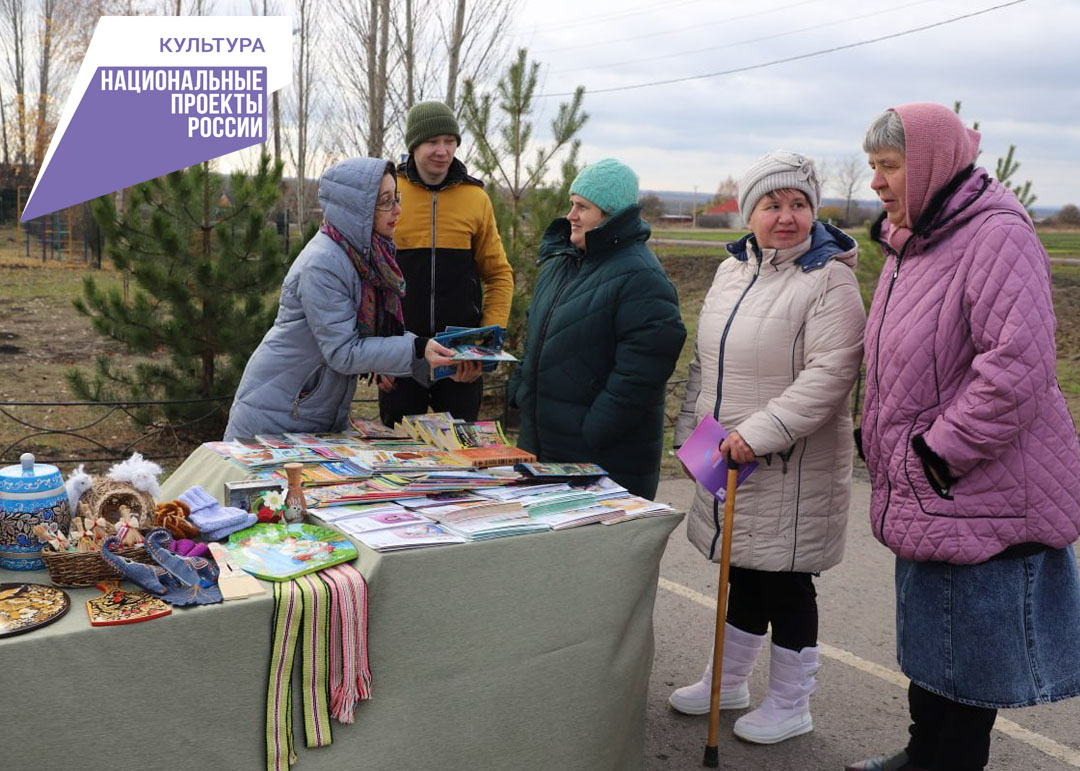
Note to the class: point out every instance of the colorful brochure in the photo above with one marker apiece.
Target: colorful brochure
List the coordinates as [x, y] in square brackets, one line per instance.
[701, 456]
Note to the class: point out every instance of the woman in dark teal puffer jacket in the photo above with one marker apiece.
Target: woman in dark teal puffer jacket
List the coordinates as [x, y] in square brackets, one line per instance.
[604, 333]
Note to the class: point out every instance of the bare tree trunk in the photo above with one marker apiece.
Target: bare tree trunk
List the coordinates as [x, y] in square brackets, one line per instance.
[48, 10]
[454, 65]
[14, 15]
[378, 116]
[410, 56]
[4, 132]
[371, 41]
[304, 81]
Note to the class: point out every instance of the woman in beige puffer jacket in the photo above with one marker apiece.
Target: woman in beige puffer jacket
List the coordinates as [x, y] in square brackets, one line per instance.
[779, 344]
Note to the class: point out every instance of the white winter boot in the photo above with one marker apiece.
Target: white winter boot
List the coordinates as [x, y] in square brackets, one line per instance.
[741, 650]
[785, 712]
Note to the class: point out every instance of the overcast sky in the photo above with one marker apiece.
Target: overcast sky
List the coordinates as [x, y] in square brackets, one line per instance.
[1016, 70]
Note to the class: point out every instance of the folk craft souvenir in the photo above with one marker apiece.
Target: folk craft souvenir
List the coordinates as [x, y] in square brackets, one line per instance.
[173, 516]
[78, 484]
[176, 579]
[140, 473]
[30, 494]
[295, 507]
[24, 607]
[117, 606]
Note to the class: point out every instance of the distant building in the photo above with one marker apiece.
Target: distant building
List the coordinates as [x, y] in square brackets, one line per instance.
[723, 215]
[675, 219]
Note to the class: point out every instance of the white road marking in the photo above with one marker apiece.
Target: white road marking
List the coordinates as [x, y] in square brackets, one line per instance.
[1013, 730]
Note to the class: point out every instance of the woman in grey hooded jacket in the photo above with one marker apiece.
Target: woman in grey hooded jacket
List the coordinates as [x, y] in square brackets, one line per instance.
[339, 314]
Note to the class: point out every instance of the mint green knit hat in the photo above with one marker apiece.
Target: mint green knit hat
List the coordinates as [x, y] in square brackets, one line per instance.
[429, 119]
[608, 183]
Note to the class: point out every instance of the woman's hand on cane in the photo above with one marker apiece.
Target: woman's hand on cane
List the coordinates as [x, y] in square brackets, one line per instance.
[735, 448]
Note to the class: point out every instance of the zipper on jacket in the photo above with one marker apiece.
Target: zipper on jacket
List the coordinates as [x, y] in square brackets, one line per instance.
[540, 348]
[301, 394]
[877, 372]
[720, 390]
[434, 247]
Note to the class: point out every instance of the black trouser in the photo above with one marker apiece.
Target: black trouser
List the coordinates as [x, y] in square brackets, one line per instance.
[787, 601]
[947, 735]
[462, 400]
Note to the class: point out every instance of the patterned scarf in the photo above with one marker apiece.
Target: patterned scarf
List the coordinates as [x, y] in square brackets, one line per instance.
[381, 284]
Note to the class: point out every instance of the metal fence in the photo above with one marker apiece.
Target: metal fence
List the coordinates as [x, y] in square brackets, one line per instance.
[107, 432]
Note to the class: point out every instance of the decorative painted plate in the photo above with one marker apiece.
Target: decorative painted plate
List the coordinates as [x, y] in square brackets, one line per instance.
[25, 607]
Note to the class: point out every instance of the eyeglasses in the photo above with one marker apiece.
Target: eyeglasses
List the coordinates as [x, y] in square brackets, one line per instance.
[387, 202]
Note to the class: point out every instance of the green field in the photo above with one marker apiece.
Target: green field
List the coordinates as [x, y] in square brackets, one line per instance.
[1058, 243]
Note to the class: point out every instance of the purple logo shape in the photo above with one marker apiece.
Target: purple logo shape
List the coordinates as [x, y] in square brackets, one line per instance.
[119, 137]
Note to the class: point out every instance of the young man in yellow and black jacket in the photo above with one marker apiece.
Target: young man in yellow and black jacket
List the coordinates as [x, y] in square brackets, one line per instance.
[448, 247]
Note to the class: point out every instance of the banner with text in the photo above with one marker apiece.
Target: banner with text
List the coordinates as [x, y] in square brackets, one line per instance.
[155, 94]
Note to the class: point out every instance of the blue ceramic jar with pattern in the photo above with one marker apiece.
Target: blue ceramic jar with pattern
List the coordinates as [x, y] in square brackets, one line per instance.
[30, 494]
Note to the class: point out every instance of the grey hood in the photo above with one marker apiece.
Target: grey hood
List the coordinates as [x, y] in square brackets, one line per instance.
[347, 193]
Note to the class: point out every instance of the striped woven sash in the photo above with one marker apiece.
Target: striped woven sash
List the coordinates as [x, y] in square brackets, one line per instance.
[326, 614]
[350, 674]
[287, 618]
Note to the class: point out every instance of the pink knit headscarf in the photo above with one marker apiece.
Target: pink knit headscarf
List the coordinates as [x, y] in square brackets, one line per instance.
[938, 147]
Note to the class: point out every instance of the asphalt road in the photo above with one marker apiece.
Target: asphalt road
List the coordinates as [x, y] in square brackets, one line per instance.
[860, 707]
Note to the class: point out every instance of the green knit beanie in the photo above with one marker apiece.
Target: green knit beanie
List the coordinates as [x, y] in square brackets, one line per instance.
[610, 184]
[429, 119]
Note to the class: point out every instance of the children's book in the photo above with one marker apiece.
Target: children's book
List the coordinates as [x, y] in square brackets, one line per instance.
[281, 552]
[482, 433]
[409, 537]
[561, 470]
[368, 524]
[493, 455]
[484, 529]
[334, 514]
[275, 441]
[329, 473]
[483, 344]
[374, 429]
[700, 454]
[564, 520]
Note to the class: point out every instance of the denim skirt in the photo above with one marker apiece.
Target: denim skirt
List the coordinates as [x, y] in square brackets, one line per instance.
[1004, 633]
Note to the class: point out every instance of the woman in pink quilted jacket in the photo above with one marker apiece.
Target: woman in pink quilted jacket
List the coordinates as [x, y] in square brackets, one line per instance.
[972, 453]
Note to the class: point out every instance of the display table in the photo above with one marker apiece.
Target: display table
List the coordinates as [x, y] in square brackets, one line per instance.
[530, 652]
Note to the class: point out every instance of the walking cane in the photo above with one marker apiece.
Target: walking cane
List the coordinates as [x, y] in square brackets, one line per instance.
[712, 752]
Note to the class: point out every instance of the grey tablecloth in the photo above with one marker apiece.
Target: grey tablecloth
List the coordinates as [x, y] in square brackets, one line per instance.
[523, 653]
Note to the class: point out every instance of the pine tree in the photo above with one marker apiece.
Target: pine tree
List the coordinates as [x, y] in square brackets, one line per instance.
[1004, 171]
[523, 205]
[204, 263]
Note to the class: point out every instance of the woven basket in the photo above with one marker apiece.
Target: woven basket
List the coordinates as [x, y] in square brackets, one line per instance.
[88, 568]
[106, 497]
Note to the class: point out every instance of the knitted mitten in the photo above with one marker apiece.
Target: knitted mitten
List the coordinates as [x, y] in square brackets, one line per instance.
[214, 520]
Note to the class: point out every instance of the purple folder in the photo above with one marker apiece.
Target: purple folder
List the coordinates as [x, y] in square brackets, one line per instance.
[700, 454]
